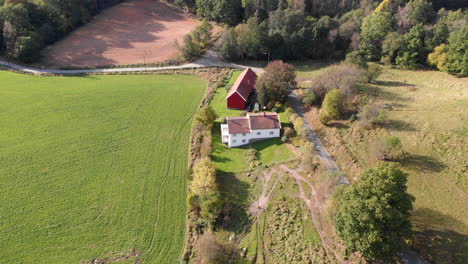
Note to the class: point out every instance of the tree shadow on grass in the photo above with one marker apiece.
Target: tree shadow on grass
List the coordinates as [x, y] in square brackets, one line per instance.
[399, 125]
[423, 163]
[434, 241]
[236, 195]
[395, 84]
[386, 94]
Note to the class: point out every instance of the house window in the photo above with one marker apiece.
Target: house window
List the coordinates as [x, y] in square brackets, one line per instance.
[234, 141]
[243, 141]
[243, 134]
[259, 133]
[271, 133]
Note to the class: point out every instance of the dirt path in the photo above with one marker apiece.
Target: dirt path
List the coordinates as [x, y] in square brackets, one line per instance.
[319, 148]
[261, 204]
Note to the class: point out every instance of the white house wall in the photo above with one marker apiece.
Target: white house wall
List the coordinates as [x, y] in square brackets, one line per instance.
[236, 140]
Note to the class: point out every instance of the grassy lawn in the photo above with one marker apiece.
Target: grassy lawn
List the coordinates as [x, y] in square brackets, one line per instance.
[428, 111]
[233, 160]
[93, 167]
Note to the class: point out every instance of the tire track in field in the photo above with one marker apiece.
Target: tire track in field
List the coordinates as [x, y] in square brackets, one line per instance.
[165, 178]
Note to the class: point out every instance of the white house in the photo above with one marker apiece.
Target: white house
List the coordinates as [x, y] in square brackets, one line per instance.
[241, 130]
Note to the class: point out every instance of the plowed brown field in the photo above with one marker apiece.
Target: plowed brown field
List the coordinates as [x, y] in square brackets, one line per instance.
[133, 32]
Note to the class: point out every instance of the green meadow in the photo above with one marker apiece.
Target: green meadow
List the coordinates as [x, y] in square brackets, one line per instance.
[94, 167]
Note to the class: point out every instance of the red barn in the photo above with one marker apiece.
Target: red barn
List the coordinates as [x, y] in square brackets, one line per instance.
[241, 90]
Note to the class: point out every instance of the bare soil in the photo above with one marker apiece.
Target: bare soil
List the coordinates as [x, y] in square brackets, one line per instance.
[133, 32]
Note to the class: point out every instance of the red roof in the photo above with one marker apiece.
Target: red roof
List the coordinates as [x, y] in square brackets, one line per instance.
[237, 125]
[244, 84]
[264, 121]
[245, 124]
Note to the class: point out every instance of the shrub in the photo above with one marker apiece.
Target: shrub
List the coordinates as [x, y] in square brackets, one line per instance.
[310, 98]
[204, 177]
[206, 116]
[344, 77]
[288, 132]
[331, 107]
[387, 148]
[372, 73]
[299, 127]
[372, 115]
[357, 59]
[251, 156]
[211, 205]
[210, 251]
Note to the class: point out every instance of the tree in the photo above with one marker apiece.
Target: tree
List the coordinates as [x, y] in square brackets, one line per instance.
[392, 44]
[413, 51]
[438, 58]
[374, 29]
[373, 215]
[332, 106]
[225, 11]
[421, 12]
[9, 35]
[274, 85]
[457, 61]
[27, 49]
[229, 50]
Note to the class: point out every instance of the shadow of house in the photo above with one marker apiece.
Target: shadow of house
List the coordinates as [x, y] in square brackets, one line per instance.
[436, 244]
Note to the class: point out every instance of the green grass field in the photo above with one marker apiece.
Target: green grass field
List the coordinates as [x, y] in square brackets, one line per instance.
[94, 167]
[428, 112]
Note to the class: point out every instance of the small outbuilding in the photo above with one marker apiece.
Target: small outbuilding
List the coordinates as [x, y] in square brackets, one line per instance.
[241, 90]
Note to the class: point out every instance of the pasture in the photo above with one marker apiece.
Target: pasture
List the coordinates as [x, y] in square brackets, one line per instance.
[133, 32]
[427, 110]
[94, 167]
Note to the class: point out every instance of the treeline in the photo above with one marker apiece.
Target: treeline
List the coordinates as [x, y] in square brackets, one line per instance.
[27, 26]
[399, 32]
[405, 34]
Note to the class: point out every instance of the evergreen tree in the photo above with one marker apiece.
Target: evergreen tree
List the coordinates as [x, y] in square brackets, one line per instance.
[413, 52]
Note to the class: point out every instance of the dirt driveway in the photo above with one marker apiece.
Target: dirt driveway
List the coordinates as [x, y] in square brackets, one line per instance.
[133, 32]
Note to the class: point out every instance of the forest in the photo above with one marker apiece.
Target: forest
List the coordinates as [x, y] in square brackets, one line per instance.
[410, 34]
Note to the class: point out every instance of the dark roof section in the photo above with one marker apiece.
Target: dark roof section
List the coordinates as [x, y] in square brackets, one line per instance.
[238, 125]
[264, 121]
[244, 84]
